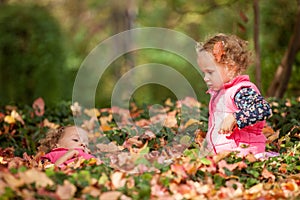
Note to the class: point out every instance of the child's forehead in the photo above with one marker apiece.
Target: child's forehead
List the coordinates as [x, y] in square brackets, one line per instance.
[206, 61]
[75, 131]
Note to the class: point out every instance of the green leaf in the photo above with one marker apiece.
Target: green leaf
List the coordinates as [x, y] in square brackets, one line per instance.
[205, 161]
[219, 181]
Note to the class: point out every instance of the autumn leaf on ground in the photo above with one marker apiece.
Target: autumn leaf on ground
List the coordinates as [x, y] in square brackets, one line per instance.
[39, 107]
[35, 176]
[66, 191]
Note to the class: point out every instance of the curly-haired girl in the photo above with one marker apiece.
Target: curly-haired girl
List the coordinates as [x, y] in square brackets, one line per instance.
[237, 109]
[64, 145]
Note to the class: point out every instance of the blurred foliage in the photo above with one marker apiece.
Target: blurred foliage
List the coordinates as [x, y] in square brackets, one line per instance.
[32, 56]
[85, 24]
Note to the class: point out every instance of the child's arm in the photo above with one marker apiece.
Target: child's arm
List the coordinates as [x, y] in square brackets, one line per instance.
[253, 107]
[70, 154]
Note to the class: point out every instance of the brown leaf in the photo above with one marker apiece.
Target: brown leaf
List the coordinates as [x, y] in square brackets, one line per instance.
[283, 168]
[133, 141]
[49, 124]
[251, 158]
[110, 147]
[111, 195]
[255, 189]
[91, 190]
[66, 191]
[35, 176]
[12, 181]
[266, 174]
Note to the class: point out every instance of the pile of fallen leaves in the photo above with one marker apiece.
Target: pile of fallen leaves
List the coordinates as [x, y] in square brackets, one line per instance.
[156, 156]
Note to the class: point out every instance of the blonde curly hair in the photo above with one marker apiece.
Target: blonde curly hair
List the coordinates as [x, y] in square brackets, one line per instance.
[50, 141]
[235, 49]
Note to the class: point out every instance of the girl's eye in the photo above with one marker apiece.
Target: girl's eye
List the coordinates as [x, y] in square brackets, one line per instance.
[75, 140]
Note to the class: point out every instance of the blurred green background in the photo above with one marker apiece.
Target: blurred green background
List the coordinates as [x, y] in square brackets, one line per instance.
[44, 42]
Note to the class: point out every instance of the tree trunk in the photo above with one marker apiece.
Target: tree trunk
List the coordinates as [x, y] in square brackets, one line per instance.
[256, 44]
[123, 16]
[283, 72]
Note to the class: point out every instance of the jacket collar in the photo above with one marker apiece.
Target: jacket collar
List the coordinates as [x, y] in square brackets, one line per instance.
[231, 83]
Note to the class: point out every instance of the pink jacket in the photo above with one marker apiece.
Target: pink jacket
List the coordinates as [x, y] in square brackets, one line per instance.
[245, 140]
[56, 153]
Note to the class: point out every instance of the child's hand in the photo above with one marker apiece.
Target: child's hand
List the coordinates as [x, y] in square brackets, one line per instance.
[228, 125]
[70, 154]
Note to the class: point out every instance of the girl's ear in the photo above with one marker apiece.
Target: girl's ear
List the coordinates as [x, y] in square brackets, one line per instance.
[232, 71]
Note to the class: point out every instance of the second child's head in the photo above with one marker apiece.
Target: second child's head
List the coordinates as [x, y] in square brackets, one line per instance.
[221, 58]
[69, 137]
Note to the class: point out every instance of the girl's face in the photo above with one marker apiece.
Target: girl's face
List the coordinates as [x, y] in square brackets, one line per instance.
[215, 74]
[74, 137]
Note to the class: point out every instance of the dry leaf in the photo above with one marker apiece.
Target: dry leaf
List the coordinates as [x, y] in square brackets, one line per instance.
[118, 180]
[111, 195]
[110, 147]
[66, 191]
[39, 107]
[12, 181]
[266, 174]
[35, 176]
[76, 109]
[92, 112]
[91, 190]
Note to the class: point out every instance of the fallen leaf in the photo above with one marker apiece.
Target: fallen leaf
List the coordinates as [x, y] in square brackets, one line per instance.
[12, 181]
[92, 112]
[110, 147]
[118, 180]
[9, 119]
[91, 190]
[39, 107]
[49, 124]
[66, 191]
[266, 174]
[191, 122]
[35, 176]
[111, 195]
[76, 109]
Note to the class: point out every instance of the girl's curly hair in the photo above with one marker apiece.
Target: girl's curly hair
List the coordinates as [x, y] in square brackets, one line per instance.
[50, 141]
[235, 50]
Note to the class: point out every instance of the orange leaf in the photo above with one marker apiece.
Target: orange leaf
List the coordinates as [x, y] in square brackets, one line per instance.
[218, 50]
[266, 174]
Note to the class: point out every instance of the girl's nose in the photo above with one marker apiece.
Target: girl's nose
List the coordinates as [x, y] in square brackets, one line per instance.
[206, 78]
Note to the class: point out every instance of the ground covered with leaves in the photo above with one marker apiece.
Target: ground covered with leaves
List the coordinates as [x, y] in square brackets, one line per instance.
[155, 156]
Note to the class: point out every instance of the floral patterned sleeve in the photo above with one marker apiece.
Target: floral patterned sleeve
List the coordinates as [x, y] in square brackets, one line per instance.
[253, 107]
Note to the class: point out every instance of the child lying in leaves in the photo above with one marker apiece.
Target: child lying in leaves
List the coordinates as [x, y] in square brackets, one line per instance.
[64, 145]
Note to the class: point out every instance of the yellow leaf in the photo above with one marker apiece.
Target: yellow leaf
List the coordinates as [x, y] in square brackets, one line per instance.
[9, 119]
[92, 112]
[190, 122]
